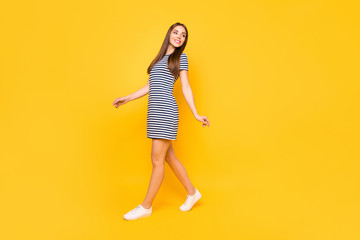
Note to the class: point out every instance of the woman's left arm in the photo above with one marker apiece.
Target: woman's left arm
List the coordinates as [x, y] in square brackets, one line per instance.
[189, 97]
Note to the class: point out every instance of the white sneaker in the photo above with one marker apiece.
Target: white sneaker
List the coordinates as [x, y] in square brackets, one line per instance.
[190, 201]
[138, 212]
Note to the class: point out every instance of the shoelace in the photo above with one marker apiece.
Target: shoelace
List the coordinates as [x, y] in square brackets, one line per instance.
[138, 206]
[188, 199]
[187, 196]
[134, 210]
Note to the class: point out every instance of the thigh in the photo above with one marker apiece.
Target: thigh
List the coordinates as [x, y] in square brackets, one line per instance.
[159, 149]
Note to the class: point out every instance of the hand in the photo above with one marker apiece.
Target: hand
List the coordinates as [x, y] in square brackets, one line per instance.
[120, 101]
[203, 119]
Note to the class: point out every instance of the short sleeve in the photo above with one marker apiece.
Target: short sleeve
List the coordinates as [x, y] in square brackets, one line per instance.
[184, 62]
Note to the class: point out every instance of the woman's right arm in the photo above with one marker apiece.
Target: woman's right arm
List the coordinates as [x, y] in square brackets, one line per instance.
[139, 93]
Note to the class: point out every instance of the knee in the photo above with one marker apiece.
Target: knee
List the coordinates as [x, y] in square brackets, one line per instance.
[157, 160]
[169, 158]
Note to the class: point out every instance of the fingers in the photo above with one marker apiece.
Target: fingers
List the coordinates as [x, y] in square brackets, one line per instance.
[206, 121]
[117, 101]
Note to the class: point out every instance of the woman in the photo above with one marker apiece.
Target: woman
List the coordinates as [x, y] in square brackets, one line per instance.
[163, 116]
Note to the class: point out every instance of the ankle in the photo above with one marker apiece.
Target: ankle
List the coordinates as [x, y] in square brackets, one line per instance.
[192, 192]
[146, 206]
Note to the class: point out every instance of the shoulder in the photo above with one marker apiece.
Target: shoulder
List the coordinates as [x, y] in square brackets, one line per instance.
[183, 56]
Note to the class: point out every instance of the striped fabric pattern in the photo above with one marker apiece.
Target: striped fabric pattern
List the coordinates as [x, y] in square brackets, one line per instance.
[163, 113]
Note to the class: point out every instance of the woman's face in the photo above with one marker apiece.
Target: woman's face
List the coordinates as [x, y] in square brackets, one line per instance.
[177, 36]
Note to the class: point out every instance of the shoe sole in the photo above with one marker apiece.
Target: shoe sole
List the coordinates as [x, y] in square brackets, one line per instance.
[196, 199]
[146, 215]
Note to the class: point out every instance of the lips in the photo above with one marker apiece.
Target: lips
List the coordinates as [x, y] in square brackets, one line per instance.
[177, 41]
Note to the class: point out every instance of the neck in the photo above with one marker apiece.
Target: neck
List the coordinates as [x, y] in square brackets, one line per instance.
[170, 50]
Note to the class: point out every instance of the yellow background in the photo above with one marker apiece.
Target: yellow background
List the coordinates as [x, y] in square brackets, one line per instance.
[278, 80]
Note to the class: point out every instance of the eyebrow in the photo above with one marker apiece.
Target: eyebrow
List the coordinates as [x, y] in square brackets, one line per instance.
[177, 30]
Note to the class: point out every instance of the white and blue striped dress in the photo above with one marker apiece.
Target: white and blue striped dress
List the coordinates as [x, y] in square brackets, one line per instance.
[163, 113]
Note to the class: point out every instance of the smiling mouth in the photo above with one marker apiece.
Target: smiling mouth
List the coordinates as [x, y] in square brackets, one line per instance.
[177, 41]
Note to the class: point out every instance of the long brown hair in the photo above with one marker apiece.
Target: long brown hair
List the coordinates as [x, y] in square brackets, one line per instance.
[174, 58]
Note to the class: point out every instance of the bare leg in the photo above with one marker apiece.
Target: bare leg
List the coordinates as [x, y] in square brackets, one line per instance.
[158, 153]
[179, 170]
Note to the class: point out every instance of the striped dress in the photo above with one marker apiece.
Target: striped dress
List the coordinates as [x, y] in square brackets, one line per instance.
[163, 113]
